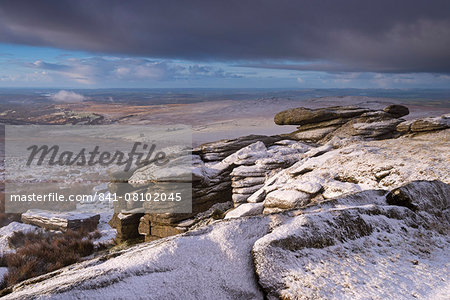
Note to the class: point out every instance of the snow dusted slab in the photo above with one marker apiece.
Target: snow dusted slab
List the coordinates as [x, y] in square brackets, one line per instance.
[61, 221]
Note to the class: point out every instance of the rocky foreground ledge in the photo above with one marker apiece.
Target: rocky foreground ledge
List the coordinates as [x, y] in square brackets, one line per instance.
[361, 213]
[372, 244]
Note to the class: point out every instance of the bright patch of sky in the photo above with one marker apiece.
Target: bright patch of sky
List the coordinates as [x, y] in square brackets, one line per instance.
[27, 66]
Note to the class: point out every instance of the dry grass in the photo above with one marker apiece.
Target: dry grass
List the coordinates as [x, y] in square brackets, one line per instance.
[43, 252]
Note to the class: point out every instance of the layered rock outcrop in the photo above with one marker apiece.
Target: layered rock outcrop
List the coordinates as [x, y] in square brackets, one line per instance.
[211, 181]
[320, 125]
[268, 174]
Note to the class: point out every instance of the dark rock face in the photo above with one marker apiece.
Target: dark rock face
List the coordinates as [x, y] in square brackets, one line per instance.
[424, 197]
[126, 226]
[396, 110]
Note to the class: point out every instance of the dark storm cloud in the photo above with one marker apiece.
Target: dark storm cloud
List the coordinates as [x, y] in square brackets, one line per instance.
[347, 35]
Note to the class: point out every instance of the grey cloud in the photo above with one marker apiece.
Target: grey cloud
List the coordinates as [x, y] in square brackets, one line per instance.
[348, 35]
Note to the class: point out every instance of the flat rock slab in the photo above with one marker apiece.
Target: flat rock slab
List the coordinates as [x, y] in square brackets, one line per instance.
[61, 220]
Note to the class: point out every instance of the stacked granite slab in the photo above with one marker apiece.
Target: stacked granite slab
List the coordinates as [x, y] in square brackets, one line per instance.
[209, 186]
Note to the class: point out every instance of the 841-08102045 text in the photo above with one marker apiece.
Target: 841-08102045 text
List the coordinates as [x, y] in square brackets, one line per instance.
[109, 197]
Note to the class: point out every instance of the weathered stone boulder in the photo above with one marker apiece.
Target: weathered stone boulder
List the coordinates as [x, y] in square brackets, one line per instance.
[246, 209]
[312, 135]
[325, 172]
[427, 198]
[369, 125]
[156, 226]
[250, 176]
[286, 199]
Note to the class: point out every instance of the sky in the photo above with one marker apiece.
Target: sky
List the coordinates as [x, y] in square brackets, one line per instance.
[225, 44]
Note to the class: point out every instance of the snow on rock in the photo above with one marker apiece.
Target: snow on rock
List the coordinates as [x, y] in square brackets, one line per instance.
[286, 199]
[258, 196]
[3, 272]
[429, 199]
[307, 187]
[255, 163]
[247, 182]
[249, 171]
[425, 124]
[247, 155]
[217, 151]
[246, 209]
[336, 188]
[375, 129]
[8, 230]
[108, 233]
